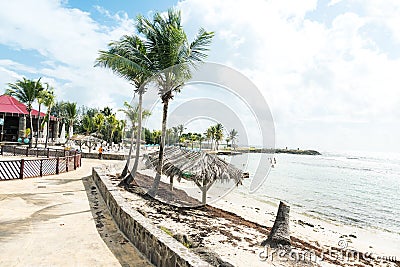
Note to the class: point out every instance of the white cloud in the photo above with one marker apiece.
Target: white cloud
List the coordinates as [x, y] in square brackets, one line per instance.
[309, 71]
[334, 76]
[68, 40]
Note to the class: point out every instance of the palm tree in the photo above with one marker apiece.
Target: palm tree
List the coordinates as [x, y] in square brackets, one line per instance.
[40, 99]
[201, 138]
[227, 142]
[112, 124]
[87, 124]
[175, 132]
[180, 129]
[210, 133]
[128, 59]
[71, 115]
[218, 135]
[168, 46]
[98, 122]
[26, 91]
[48, 102]
[193, 138]
[233, 135]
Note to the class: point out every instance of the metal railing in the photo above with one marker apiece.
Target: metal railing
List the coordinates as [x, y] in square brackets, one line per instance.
[55, 161]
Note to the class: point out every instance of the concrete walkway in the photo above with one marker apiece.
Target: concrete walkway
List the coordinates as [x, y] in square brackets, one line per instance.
[49, 221]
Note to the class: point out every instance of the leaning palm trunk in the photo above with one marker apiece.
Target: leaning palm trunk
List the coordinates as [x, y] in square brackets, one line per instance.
[132, 173]
[156, 183]
[48, 132]
[128, 162]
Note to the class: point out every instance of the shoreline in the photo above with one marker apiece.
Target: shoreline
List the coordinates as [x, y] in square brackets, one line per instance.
[242, 245]
[315, 228]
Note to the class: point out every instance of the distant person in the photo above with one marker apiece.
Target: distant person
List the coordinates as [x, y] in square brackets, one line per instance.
[100, 152]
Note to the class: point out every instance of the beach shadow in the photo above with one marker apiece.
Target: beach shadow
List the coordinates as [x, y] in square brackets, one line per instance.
[125, 252]
[11, 228]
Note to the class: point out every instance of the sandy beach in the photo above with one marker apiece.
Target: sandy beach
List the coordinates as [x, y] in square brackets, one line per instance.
[237, 238]
[231, 228]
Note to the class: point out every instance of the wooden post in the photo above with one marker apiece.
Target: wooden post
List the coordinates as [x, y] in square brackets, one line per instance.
[48, 152]
[41, 168]
[21, 169]
[66, 163]
[58, 166]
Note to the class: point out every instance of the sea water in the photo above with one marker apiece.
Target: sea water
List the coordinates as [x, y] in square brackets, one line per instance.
[360, 189]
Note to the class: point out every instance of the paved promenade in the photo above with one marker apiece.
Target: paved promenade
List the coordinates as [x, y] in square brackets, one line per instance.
[60, 220]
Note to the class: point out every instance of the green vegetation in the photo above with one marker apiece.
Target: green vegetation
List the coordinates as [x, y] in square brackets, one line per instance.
[160, 44]
[26, 91]
[167, 231]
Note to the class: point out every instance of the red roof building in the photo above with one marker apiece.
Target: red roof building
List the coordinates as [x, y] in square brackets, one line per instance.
[13, 119]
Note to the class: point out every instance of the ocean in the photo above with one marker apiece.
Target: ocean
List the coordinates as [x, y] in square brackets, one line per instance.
[359, 189]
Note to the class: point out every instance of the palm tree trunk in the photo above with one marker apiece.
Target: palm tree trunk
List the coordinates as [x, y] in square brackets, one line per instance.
[48, 131]
[156, 183]
[128, 162]
[132, 173]
[31, 124]
[38, 127]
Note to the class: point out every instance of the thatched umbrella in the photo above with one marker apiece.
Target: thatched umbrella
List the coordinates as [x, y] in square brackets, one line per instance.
[81, 139]
[201, 168]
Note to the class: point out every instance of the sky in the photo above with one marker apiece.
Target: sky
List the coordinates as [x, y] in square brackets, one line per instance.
[328, 69]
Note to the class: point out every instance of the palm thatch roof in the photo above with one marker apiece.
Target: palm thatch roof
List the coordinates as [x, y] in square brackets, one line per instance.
[202, 168]
[85, 138]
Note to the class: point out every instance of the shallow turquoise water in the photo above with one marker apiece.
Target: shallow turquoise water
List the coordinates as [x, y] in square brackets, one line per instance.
[357, 189]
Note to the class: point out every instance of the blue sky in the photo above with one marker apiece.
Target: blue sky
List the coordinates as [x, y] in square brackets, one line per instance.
[328, 69]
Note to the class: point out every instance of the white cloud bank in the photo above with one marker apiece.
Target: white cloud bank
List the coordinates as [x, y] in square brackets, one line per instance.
[330, 77]
[67, 41]
[331, 84]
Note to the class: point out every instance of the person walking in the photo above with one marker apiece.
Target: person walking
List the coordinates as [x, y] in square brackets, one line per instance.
[100, 152]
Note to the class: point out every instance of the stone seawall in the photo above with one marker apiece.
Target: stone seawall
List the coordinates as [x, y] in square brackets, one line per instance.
[106, 156]
[160, 248]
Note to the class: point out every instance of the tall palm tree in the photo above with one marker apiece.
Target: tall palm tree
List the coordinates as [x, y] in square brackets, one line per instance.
[40, 99]
[210, 133]
[181, 128]
[128, 59]
[26, 91]
[218, 136]
[175, 132]
[48, 102]
[201, 138]
[193, 138]
[233, 135]
[167, 46]
[71, 114]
